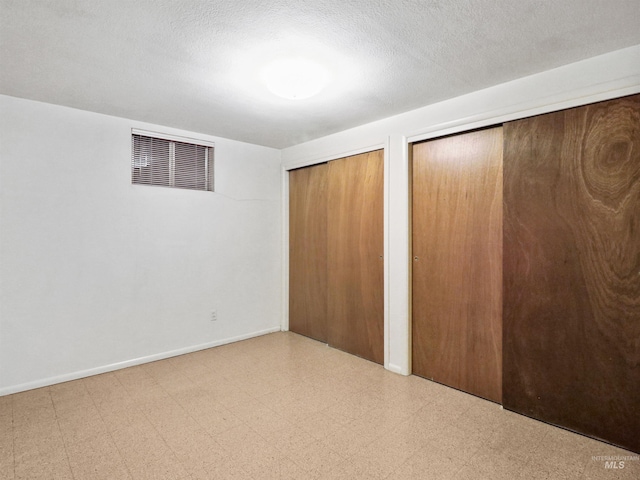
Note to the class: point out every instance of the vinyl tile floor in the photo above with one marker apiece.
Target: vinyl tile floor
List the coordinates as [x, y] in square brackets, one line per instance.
[281, 406]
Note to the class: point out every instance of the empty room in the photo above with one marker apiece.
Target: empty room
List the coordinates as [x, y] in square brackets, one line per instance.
[295, 239]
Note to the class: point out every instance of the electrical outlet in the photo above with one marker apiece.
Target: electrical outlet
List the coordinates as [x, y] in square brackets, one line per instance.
[214, 316]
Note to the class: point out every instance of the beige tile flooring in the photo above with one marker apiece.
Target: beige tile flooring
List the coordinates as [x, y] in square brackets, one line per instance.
[280, 406]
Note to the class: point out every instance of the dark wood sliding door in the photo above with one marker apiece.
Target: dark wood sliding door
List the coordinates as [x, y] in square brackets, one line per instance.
[308, 251]
[457, 267]
[572, 269]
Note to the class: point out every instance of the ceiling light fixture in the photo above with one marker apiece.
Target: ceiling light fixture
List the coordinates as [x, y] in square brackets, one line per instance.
[295, 78]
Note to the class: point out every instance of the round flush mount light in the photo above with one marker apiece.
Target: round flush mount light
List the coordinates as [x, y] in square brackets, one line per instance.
[295, 78]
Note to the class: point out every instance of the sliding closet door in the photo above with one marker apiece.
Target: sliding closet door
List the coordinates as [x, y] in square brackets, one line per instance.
[457, 265]
[355, 264]
[572, 269]
[308, 251]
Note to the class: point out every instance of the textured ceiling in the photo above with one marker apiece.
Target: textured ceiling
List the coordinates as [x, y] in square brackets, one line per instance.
[195, 64]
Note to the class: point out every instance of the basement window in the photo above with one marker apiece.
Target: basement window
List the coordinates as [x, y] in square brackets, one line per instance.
[169, 161]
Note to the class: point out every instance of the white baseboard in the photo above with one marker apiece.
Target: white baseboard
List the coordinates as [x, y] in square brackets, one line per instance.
[397, 369]
[45, 382]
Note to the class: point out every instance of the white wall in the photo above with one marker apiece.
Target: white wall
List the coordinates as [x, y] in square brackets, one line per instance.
[96, 273]
[599, 78]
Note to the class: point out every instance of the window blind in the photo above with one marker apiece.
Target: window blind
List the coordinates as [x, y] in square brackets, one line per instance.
[171, 163]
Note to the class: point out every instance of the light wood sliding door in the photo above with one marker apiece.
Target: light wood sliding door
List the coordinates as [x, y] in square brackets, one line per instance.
[355, 249]
[308, 251]
[572, 269]
[457, 264]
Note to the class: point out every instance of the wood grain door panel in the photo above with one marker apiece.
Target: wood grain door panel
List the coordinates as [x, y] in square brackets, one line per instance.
[308, 251]
[457, 267]
[572, 269]
[355, 249]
